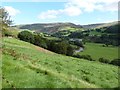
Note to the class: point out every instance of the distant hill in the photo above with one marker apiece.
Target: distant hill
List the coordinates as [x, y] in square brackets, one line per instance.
[48, 27]
[90, 26]
[99, 25]
[52, 28]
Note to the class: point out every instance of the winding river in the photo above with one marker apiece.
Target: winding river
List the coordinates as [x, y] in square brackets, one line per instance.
[79, 50]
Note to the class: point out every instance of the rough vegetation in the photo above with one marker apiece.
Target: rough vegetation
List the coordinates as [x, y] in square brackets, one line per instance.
[24, 66]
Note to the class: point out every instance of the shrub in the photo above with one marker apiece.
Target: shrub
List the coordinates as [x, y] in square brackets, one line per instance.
[61, 48]
[87, 57]
[115, 62]
[70, 51]
[38, 40]
[77, 56]
[103, 60]
[78, 43]
[6, 32]
[26, 36]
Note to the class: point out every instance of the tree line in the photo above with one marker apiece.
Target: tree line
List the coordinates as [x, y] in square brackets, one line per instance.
[61, 47]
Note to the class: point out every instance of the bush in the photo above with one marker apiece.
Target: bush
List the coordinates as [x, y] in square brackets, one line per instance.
[115, 62]
[6, 32]
[78, 43]
[70, 51]
[38, 40]
[103, 60]
[77, 56]
[87, 57]
[61, 48]
[26, 36]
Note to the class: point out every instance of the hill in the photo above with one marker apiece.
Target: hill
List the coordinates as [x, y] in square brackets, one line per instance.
[90, 26]
[100, 25]
[48, 27]
[27, 66]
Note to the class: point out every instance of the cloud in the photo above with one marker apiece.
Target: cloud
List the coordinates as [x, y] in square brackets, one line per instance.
[12, 11]
[72, 11]
[49, 14]
[77, 7]
[91, 5]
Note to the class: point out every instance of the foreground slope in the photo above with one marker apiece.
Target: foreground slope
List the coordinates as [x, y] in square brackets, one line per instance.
[27, 66]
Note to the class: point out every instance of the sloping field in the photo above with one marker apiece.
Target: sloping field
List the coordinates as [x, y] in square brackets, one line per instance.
[25, 66]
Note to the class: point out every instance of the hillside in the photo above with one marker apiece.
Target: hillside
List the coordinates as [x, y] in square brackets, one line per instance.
[48, 27]
[90, 26]
[27, 66]
[108, 24]
[99, 25]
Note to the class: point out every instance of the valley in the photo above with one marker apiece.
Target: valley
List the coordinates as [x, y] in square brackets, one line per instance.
[58, 54]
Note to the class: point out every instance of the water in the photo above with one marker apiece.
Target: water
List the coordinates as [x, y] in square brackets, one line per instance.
[79, 50]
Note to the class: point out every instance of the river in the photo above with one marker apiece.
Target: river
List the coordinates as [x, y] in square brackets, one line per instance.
[79, 50]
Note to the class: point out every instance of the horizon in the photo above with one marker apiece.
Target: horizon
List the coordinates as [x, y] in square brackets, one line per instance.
[79, 12]
[67, 22]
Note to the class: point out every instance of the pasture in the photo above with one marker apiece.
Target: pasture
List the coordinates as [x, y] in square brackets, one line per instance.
[97, 51]
[27, 66]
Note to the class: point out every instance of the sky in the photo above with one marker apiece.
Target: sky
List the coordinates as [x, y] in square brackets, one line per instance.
[52, 11]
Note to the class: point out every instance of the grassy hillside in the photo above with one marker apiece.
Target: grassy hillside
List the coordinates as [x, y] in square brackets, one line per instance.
[97, 51]
[27, 66]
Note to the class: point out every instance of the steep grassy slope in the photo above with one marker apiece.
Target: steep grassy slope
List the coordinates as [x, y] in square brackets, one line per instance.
[26, 65]
[97, 51]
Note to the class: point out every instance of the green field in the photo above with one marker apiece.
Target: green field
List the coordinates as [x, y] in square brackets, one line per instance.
[27, 66]
[97, 51]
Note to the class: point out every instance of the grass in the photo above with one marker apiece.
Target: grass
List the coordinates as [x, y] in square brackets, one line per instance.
[73, 29]
[52, 38]
[29, 67]
[97, 51]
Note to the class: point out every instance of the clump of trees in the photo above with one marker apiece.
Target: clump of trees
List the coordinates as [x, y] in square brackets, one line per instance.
[26, 36]
[61, 48]
[107, 35]
[58, 47]
[39, 41]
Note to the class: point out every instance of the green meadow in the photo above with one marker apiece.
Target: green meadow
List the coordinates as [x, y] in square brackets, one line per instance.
[97, 51]
[27, 66]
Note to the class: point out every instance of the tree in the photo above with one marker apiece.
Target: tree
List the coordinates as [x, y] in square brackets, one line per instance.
[61, 48]
[4, 17]
[26, 36]
[70, 51]
[5, 22]
[115, 62]
[38, 40]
